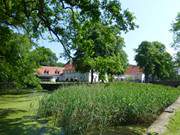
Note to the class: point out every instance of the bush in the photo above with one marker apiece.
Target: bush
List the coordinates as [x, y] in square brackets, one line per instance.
[79, 109]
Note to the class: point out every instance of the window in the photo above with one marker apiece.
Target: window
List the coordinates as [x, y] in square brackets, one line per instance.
[46, 72]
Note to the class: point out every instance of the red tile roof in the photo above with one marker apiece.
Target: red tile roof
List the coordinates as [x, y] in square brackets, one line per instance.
[50, 70]
[133, 70]
[69, 67]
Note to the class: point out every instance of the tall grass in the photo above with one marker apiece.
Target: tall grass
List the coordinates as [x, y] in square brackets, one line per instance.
[79, 109]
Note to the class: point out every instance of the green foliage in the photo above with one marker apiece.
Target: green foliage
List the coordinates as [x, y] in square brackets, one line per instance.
[177, 59]
[66, 20]
[60, 64]
[62, 18]
[15, 66]
[20, 58]
[155, 61]
[80, 109]
[97, 42]
[44, 57]
[176, 30]
[99, 47]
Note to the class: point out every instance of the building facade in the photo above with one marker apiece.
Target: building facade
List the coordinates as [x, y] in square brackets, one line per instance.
[70, 74]
[65, 74]
[49, 74]
[132, 73]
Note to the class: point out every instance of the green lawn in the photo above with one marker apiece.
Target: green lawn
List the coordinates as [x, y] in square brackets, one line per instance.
[17, 116]
[174, 125]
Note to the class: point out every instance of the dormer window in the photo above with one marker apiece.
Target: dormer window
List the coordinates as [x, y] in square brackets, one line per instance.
[57, 72]
[46, 72]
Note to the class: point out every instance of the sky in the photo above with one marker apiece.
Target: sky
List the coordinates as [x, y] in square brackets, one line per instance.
[154, 18]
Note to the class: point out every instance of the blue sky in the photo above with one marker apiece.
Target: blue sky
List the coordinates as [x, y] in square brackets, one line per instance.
[154, 18]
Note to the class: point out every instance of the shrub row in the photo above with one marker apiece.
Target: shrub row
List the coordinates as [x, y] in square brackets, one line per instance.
[79, 109]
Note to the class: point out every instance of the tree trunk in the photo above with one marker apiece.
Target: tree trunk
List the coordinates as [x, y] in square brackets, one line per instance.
[146, 78]
[92, 76]
[153, 78]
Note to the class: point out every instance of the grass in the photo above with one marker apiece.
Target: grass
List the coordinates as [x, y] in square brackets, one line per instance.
[18, 116]
[95, 109]
[173, 127]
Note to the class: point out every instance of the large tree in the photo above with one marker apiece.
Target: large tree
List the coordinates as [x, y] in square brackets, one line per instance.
[15, 65]
[98, 47]
[44, 56]
[61, 18]
[176, 31]
[20, 58]
[154, 60]
[64, 20]
[177, 59]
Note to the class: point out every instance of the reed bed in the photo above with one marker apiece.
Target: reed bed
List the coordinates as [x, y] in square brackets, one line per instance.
[80, 109]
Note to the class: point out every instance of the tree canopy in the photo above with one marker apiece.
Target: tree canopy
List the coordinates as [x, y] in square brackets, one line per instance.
[176, 31]
[98, 47]
[177, 59]
[20, 59]
[61, 18]
[154, 60]
[15, 65]
[44, 57]
[77, 25]
[98, 44]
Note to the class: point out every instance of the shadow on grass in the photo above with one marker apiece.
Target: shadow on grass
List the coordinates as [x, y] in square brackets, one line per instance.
[25, 125]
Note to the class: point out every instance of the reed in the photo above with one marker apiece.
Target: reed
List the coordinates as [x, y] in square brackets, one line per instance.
[80, 109]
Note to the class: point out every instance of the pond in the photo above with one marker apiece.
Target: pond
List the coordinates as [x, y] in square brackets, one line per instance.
[18, 115]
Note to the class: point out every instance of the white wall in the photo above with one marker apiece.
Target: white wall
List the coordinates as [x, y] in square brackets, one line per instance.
[69, 75]
[95, 77]
[53, 79]
[83, 77]
[135, 77]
